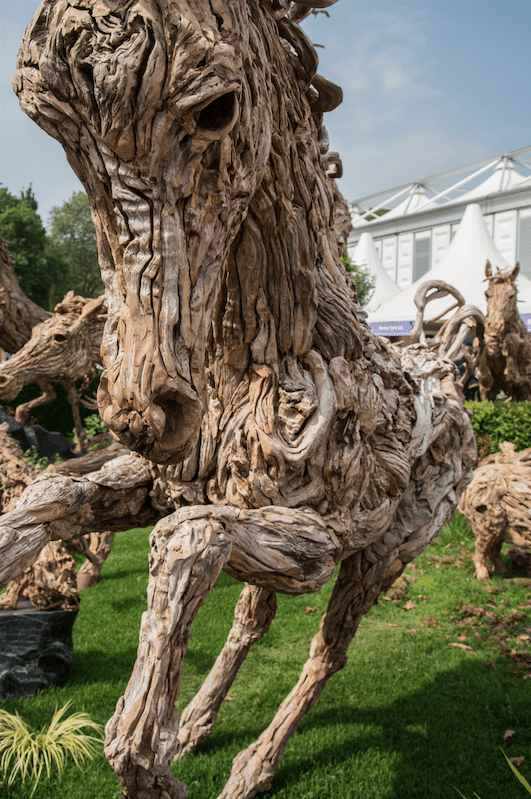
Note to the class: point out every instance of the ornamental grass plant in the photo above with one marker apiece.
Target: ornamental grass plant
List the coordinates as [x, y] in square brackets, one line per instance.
[26, 753]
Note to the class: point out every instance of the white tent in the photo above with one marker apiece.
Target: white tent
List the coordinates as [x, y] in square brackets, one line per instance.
[462, 266]
[365, 255]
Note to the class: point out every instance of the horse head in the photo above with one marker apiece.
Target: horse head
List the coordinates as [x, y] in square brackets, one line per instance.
[171, 114]
[501, 293]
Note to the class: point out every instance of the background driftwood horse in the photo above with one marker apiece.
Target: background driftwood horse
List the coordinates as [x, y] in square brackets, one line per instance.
[63, 348]
[236, 357]
[505, 363]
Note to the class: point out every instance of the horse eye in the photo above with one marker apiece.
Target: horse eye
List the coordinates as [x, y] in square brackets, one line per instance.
[59, 338]
[218, 114]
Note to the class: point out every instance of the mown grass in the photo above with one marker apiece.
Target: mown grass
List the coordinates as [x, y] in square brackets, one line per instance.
[410, 716]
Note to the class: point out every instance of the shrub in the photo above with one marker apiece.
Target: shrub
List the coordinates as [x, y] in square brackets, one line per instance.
[498, 421]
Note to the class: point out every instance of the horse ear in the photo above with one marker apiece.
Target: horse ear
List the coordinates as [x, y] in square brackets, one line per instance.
[92, 307]
[488, 269]
[514, 273]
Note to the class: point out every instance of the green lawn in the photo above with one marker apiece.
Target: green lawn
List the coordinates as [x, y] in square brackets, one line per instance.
[410, 717]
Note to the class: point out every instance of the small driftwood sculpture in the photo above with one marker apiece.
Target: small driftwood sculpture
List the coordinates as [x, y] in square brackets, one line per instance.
[466, 322]
[62, 349]
[505, 364]
[236, 357]
[50, 582]
[18, 314]
[496, 505]
[16, 473]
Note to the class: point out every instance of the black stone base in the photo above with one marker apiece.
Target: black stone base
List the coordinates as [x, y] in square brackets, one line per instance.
[35, 649]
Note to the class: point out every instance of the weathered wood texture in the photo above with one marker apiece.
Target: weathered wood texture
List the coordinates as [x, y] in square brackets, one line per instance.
[282, 436]
[63, 348]
[505, 363]
[18, 314]
[497, 506]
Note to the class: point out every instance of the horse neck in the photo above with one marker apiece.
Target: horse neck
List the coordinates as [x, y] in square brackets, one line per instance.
[286, 291]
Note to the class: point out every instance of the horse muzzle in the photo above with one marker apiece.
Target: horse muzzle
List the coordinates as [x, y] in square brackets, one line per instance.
[162, 427]
[10, 386]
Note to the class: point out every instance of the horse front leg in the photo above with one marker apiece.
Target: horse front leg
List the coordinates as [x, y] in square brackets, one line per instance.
[141, 738]
[253, 615]
[22, 412]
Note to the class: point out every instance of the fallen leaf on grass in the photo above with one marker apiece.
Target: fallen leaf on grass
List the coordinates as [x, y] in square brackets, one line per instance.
[517, 761]
[309, 610]
[490, 663]
[409, 605]
[430, 621]
[229, 698]
[461, 637]
[411, 630]
[507, 735]
[422, 597]
[391, 625]
[465, 647]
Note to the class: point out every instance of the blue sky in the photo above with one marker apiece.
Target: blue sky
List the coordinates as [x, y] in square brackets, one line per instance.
[429, 86]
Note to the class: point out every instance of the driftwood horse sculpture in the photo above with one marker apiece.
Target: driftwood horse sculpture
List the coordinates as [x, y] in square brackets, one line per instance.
[505, 363]
[236, 357]
[62, 348]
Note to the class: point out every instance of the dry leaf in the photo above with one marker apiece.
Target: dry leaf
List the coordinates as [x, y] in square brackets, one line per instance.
[309, 610]
[517, 761]
[391, 625]
[465, 647]
[411, 630]
[229, 698]
[507, 735]
[461, 637]
[489, 663]
[430, 621]
[409, 605]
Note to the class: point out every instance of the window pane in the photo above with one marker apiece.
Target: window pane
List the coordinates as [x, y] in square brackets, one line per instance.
[421, 257]
[524, 246]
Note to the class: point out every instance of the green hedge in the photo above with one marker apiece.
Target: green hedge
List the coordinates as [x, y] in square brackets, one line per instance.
[498, 421]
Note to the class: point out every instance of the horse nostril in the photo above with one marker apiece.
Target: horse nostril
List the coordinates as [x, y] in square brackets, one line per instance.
[219, 115]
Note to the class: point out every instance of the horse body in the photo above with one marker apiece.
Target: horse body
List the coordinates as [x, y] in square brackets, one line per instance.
[505, 363]
[237, 359]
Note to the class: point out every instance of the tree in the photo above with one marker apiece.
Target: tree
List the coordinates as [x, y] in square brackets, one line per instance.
[362, 278]
[39, 268]
[74, 236]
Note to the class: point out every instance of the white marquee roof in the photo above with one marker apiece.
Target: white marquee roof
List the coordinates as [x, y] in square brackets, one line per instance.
[416, 198]
[366, 255]
[492, 176]
[463, 266]
[504, 178]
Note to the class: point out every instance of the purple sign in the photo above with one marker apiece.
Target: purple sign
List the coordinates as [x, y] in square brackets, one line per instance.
[526, 317]
[391, 328]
